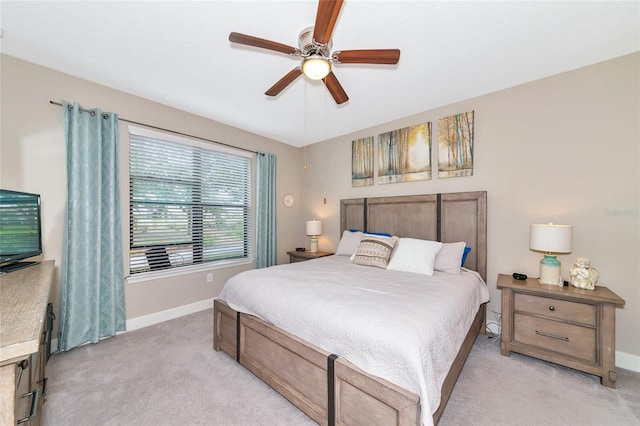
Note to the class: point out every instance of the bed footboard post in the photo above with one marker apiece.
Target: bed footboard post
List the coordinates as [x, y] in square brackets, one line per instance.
[225, 326]
[331, 390]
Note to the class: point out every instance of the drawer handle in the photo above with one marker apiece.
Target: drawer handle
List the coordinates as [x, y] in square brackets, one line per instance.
[552, 308]
[553, 336]
[34, 405]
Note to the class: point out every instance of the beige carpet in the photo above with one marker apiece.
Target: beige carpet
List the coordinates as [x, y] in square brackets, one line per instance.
[169, 374]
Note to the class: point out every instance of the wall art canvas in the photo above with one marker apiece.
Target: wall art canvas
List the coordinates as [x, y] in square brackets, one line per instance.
[404, 155]
[362, 162]
[455, 145]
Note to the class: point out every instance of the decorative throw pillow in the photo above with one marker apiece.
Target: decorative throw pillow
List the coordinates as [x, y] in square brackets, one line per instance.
[464, 255]
[413, 255]
[449, 259]
[349, 243]
[382, 234]
[374, 251]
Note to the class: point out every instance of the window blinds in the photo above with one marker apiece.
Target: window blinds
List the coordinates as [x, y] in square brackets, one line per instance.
[188, 204]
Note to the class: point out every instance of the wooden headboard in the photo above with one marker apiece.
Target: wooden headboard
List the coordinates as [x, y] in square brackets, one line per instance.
[453, 217]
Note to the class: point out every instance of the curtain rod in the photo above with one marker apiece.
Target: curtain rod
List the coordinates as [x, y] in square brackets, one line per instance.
[174, 132]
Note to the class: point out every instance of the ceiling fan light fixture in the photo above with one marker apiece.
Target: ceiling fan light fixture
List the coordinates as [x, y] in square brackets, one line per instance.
[316, 67]
[314, 50]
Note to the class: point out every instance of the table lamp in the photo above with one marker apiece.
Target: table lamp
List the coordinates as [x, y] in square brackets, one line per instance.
[314, 228]
[550, 238]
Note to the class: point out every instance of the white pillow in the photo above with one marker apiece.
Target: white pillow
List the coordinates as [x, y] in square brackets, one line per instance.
[413, 255]
[449, 259]
[349, 243]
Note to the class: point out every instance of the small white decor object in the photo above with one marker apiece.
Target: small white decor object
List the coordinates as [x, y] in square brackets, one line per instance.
[583, 275]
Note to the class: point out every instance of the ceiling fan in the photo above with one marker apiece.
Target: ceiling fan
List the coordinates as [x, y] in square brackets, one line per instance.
[315, 50]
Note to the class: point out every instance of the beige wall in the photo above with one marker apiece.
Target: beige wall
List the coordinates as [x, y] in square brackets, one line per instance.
[564, 149]
[33, 159]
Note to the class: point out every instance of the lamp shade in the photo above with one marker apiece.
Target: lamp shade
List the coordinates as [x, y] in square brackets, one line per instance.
[314, 227]
[550, 238]
[316, 67]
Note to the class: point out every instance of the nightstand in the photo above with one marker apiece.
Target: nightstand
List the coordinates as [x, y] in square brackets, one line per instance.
[301, 256]
[565, 325]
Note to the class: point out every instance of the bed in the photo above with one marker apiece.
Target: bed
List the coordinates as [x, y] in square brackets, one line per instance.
[325, 383]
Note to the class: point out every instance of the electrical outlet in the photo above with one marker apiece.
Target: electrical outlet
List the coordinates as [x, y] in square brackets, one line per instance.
[209, 277]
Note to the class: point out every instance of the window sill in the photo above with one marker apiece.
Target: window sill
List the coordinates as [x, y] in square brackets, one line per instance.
[175, 272]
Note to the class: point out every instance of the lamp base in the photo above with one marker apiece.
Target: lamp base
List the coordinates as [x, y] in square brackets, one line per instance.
[314, 245]
[550, 270]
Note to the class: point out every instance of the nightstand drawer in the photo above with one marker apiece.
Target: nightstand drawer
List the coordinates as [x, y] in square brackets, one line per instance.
[567, 339]
[555, 308]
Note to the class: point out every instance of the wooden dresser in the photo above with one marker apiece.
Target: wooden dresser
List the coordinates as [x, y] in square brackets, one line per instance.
[24, 295]
[566, 325]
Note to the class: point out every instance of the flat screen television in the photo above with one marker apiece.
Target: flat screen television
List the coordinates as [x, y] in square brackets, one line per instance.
[20, 229]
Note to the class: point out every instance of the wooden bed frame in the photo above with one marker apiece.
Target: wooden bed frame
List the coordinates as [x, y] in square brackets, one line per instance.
[330, 390]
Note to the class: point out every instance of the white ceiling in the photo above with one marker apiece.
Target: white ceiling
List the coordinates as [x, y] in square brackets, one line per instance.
[178, 54]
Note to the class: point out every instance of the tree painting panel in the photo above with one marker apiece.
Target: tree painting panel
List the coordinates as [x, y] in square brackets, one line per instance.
[404, 155]
[362, 162]
[455, 143]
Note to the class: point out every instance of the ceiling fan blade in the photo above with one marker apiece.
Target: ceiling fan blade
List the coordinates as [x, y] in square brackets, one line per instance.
[262, 43]
[284, 82]
[326, 18]
[335, 88]
[372, 56]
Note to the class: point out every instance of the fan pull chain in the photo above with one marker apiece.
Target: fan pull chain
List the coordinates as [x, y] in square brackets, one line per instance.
[305, 124]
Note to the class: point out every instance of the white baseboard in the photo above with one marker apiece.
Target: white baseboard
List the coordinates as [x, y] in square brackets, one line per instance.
[628, 361]
[157, 317]
[169, 314]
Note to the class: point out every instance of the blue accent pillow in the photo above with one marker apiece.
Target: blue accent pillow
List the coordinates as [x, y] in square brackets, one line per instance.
[464, 255]
[382, 234]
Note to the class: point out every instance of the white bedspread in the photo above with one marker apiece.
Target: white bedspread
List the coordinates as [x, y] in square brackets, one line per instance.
[404, 327]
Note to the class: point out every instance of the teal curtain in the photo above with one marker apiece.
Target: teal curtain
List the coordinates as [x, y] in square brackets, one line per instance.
[266, 210]
[92, 285]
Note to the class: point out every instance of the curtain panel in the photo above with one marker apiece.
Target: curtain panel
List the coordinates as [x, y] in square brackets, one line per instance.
[92, 286]
[265, 210]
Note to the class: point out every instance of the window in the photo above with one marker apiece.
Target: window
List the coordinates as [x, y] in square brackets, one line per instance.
[189, 202]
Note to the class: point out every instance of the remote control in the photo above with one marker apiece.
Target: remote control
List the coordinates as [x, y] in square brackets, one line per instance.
[520, 277]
